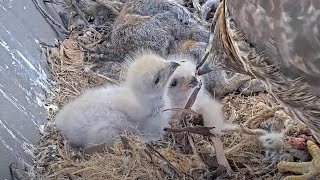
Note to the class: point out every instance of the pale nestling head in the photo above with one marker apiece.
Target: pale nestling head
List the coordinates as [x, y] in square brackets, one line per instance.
[148, 74]
[183, 81]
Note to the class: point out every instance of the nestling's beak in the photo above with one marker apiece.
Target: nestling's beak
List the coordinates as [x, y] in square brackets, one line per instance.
[193, 82]
[173, 66]
[169, 70]
[204, 69]
[203, 65]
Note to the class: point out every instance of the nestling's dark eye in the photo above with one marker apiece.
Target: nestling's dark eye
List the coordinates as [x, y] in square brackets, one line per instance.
[157, 80]
[174, 83]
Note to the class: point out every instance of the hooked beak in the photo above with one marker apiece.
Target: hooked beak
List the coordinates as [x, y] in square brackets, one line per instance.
[203, 66]
[193, 82]
[169, 70]
[173, 66]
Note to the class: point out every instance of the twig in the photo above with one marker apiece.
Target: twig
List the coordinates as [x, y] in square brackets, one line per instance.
[221, 158]
[105, 77]
[48, 45]
[52, 2]
[191, 100]
[252, 131]
[158, 154]
[194, 150]
[201, 130]
[78, 10]
[188, 105]
[49, 19]
[188, 111]
[108, 6]
[87, 49]
[75, 89]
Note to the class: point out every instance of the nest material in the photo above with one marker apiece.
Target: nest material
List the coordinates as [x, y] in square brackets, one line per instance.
[55, 159]
[171, 158]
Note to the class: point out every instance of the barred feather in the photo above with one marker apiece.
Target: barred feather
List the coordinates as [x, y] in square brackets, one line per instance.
[277, 42]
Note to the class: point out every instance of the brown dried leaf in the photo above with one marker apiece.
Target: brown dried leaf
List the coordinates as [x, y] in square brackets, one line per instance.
[221, 157]
[95, 149]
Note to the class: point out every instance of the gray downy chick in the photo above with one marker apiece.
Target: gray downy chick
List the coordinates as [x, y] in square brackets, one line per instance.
[181, 85]
[275, 148]
[100, 114]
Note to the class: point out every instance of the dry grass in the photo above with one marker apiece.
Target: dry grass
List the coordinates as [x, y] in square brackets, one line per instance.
[244, 149]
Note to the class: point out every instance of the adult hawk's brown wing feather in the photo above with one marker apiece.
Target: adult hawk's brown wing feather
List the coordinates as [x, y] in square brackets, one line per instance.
[286, 34]
[288, 31]
[277, 41]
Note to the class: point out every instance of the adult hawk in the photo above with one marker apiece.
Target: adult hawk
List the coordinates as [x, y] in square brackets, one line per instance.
[276, 41]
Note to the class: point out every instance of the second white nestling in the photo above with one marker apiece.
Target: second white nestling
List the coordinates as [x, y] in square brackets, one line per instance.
[181, 85]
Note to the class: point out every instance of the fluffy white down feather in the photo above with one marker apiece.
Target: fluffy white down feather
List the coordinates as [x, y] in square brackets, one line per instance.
[210, 108]
[100, 114]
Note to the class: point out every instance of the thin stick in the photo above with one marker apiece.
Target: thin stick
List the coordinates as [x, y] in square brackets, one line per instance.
[188, 111]
[53, 2]
[158, 154]
[252, 131]
[49, 19]
[48, 45]
[78, 10]
[188, 105]
[105, 77]
[191, 101]
[201, 130]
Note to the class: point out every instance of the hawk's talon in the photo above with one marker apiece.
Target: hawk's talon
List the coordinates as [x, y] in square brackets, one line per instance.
[307, 169]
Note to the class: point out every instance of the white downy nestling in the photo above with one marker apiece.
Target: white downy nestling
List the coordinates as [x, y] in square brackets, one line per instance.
[100, 114]
[181, 85]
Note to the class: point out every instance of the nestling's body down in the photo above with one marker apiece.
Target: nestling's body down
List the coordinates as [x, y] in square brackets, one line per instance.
[181, 85]
[100, 114]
